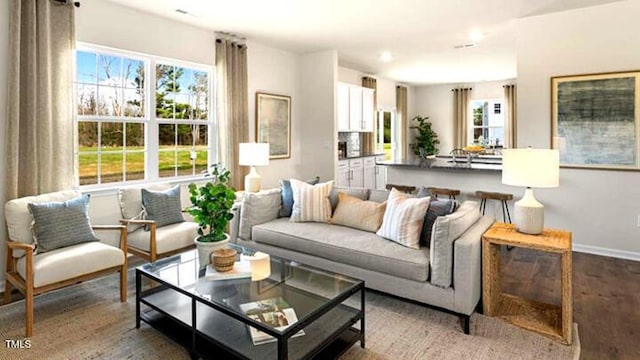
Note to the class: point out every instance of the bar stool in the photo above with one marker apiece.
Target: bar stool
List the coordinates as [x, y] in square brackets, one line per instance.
[404, 188]
[503, 197]
[445, 192]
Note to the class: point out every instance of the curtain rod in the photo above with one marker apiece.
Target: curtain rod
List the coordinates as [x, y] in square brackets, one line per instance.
[461, 89]
[67, 2]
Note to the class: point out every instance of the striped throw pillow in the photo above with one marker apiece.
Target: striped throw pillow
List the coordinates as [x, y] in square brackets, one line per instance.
[403, 219]
[310, 202]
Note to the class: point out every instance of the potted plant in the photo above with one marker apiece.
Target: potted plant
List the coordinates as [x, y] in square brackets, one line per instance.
[426, 139]
[211, 208]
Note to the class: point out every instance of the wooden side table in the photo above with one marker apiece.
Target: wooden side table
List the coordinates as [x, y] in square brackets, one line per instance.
[549, 320]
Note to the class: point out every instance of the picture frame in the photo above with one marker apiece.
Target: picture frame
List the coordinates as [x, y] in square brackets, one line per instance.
[595, 120]
[273, 123]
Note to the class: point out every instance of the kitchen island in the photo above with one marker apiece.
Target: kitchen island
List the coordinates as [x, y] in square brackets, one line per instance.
[481, 163]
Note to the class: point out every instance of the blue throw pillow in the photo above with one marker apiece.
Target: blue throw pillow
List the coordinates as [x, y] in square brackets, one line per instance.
[164, 207]
[61, 224]
[287, 196]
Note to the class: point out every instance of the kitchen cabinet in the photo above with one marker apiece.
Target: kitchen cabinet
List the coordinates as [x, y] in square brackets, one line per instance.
[355, 108]
[370, 172]
[361, 172]
[380, 173]
[343, 174]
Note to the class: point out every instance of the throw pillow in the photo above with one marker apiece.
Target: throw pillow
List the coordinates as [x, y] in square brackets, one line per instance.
[357, 213]
[287, 195]
[437, 207]
[446, 230]
[403, 219]
[163, 207]
[360, 193]
[61, 224]
[258, 208]
[130, 199]
[310, 202]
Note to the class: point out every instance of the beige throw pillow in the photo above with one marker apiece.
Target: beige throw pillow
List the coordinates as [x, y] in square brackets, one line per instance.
[357, 213]
[310, 202]
[403, 219]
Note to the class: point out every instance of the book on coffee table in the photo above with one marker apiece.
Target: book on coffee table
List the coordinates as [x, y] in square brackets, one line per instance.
[241, 269]
[274, 312]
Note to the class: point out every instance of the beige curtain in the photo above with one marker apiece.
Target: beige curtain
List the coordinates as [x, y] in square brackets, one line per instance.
[232, 106]
[40, 130]
[461, 98]
[510, 116]
[401, 108]
[369, 138]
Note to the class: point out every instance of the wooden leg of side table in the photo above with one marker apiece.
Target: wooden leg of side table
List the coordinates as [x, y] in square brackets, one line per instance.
[491, 291]
[567, 297]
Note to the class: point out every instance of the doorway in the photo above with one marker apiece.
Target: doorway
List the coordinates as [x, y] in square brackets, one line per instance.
[386, 133]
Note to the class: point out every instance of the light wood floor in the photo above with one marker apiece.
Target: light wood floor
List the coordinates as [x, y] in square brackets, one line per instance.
[606, 297]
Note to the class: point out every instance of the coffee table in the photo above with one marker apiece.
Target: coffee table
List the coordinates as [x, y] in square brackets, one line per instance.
[204, 316]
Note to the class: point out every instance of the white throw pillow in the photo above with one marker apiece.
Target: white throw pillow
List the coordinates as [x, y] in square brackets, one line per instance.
[403, 219]
[310, 202]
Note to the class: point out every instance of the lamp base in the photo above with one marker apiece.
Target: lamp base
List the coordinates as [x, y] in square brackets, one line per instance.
[252, 181]
[529, 214]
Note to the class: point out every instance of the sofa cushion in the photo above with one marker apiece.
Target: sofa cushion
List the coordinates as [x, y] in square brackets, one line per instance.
[311, 202]
[287, 195]
[59, 224]
[164, 206]
[346, 245]
[360, 193]
[19, 219]
[378, 195]
[76, 260]
[403, 219]
[446, 230]
[258, 208]
[357, 213]
[168, 238]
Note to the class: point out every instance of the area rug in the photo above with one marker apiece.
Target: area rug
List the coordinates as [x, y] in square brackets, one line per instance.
[87, 321]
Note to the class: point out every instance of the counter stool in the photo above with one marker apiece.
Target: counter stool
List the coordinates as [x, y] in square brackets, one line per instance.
[445, 192]
[404, 188]
[485, 195]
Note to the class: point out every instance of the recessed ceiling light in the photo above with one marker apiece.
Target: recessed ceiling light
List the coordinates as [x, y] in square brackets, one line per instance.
[476, 35]
[385, 57]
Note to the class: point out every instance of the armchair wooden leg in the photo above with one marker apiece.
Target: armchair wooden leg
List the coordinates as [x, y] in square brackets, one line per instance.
[123, 283]
[7, 292]
[28, 300]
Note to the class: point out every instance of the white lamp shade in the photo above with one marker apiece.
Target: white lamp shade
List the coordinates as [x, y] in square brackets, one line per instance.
[254, 154]
[536, 168]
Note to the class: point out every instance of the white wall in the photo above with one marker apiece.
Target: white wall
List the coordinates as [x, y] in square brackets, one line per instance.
[276, 71]
[600, 207]
[4, 63]
[108, 24]
[318, 123]
[436, 102]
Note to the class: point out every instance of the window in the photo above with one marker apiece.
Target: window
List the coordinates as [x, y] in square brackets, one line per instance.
[119, 138]
[488, 123]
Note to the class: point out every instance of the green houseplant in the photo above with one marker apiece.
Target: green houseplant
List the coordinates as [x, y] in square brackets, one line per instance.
[211, 206]
[426, 139]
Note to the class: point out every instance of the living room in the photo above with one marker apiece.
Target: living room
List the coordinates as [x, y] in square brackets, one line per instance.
[588, 38]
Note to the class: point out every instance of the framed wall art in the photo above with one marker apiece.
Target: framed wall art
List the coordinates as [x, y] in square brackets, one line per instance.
[595, 120]
[273, 123]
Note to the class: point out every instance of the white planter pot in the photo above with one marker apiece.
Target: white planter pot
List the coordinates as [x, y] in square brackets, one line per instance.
[206, 248]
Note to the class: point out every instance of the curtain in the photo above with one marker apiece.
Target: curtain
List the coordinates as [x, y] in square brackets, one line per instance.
[510, 116]
[369, 138]
[231, 106]
[39, 138]
[401, 107]
[461, 98]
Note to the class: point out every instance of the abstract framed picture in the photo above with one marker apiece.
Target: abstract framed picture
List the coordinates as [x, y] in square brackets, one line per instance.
[273, 123]
[595, 120]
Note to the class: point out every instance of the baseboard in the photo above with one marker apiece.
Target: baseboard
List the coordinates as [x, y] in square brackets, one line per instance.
[597, 250]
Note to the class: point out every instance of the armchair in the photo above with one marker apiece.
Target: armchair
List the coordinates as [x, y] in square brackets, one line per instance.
[33, 273]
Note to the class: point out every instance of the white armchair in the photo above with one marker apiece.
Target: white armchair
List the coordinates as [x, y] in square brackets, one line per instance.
[34, 273]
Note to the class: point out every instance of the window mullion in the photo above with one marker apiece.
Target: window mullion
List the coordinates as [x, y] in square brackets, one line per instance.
[152, 130]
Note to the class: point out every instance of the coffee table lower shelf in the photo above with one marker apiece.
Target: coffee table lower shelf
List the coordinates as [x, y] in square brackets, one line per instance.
[206, 348]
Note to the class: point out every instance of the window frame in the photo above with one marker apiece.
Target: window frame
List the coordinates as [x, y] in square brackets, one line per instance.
[470, 133]
[150, 122]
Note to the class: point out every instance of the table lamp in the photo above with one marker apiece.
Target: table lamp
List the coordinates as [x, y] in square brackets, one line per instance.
[532, 168]
[253, 154]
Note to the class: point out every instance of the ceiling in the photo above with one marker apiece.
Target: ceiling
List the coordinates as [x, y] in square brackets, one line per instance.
[419, 34]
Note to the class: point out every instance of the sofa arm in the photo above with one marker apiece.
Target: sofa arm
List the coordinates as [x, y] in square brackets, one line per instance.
[467, 266]
[234, 224]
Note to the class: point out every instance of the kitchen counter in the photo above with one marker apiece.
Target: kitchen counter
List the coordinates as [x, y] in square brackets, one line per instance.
[362, 155]
[482, 163]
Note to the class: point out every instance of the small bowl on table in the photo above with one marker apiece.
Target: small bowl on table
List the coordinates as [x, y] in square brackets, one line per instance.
[223, 259]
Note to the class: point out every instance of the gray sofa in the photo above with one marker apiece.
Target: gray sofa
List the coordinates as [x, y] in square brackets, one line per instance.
[383, 265]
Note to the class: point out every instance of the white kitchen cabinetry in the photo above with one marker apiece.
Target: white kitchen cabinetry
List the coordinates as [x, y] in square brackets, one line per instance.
[381, 174]
[355, 108]
[357, 173]
[370, 172]
[343, 176]
[361, 172]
